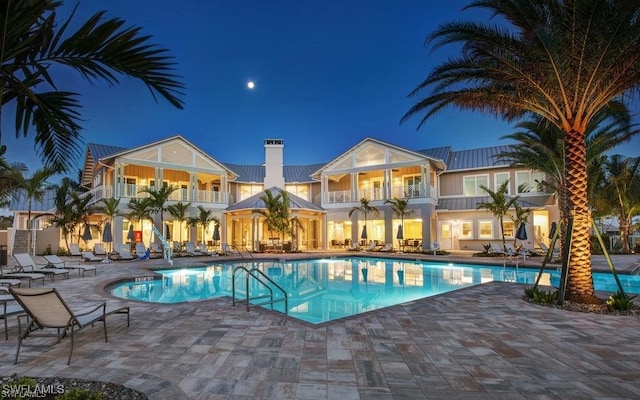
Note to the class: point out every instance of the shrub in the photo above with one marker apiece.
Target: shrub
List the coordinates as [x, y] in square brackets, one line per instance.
[541, 296]
[620, 302]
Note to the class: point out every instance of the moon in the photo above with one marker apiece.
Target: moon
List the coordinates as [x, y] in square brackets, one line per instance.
[251, 84]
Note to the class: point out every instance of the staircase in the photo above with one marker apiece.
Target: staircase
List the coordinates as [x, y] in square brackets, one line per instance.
[20, 242]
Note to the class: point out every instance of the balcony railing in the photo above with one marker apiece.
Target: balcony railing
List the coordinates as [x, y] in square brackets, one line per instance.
[344, 196]
[134, 191]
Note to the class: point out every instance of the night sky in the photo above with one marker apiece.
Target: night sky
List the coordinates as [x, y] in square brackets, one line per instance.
[327, 74]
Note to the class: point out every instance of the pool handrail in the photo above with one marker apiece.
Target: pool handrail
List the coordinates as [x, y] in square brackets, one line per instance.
[257, 275]
[166, 247]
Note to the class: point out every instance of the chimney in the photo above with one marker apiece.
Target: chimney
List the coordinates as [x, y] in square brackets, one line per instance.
[274, 163]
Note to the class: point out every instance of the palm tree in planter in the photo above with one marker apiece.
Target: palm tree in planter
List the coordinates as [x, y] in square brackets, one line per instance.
[140, 209]
[364, 208]
[562, 60]
[401, 209]
[158, 199]
[179, 212]
[110, 207]
[499, 205]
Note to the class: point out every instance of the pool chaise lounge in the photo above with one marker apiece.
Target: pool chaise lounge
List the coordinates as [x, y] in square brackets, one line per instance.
[50, 316]
[56, 262]
[28, 264]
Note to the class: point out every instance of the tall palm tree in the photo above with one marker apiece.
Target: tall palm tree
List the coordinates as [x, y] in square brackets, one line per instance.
[272, 211]
[34, 188]
[179, 212]
[562, 60]
[620, 192]
[203, 219]
[364, 208]
[539, 146]
[110, 207]
[400, 208]
[499, 205]
[33, 40]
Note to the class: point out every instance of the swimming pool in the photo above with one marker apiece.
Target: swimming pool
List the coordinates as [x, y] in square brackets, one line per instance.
[322, 290]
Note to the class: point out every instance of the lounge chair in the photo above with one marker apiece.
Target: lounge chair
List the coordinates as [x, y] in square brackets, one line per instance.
[230, 251]
[28, 264]
[5, 283]
[124, 253]
[388, 247]
[191, 250]
[495, 249]
[74, 249]
[372, 246]
[89, 256]
[9, 307]
[511, 251]
[204, 249]
[12, 274]
[354, 247]
[142, 252]
[48, 311]
[57, 262]
[554, 254]
[98, 250]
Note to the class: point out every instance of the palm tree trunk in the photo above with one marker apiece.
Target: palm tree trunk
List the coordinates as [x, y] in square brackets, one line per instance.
[580, 279]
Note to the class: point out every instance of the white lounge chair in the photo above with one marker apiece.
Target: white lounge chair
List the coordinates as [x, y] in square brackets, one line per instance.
[11, 274]
[434, 246]
[511, 251]
[388, 247]
[141, 251]
[57, 262]
[28, 264]
[554, 254]
[124, 253]
[48, 311]
[5, 283]
[98, 250]
[496, 249]
[230, 251]
[74, 249]
[191, 250]
[9, 307]
[89, 256]
[372, 246]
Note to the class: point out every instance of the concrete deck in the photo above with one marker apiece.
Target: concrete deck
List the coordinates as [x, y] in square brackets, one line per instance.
[482, 342]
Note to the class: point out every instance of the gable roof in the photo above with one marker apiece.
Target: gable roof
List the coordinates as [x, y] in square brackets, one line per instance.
[255, 201]
[94, 153]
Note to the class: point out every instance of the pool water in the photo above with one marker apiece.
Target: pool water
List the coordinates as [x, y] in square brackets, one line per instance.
[326, 289]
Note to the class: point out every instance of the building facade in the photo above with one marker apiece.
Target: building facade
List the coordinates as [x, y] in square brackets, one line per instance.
[442, 187]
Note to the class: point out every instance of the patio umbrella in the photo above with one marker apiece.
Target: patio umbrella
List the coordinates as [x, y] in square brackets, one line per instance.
[400, 234]
[167, 234]
[107, 236]
[552, 231]
[521, 233]
[86, 235]
[130, 233]
[364, 233]
[216, 233]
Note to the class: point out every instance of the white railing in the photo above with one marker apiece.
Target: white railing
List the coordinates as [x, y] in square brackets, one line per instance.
[340, 196]
[167, 250]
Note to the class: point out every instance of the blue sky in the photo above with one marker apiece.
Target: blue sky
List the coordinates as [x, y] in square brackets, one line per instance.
[328, 73]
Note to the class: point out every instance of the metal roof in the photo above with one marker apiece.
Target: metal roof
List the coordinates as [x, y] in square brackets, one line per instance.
[99, 151]
[440, 153]
[20, 202]
[485, 157]
[255, 201]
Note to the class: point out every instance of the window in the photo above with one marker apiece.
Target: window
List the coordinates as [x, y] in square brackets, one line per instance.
[527, 181]
[508, 229]
[472, 185]
[485, 229]
[466, 230]
[301, 191]
[501, 178]
[97, 180]
[412, 186]
[247, 191]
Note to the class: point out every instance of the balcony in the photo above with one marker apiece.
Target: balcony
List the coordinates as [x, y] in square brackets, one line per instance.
[401, 192]
[134, 191]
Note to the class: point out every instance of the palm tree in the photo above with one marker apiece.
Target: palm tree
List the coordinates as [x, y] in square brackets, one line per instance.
[33, 188]
[272, 211]
[561, 60]
[620, 192]
[99, 50]
[400, 208]
[499, 205]
[203, 219]
[158, 200]
[539, 146]
[110, 207]
[179, 212]
[364, 208]
[140, 209]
